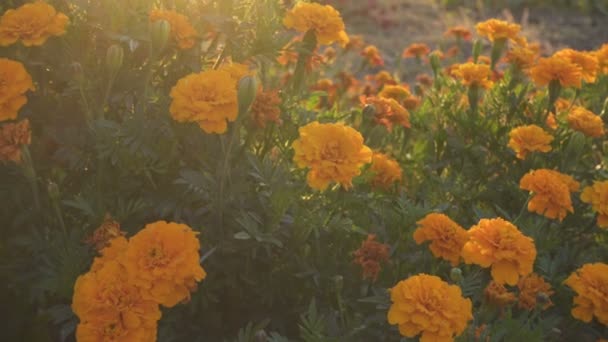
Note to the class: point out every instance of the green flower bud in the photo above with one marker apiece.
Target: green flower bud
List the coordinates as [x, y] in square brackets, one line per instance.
[369, 111]
[456, 274]
[159, 34]
[53, 191]
[114, 58]
[476, 50]
[435, 64]
[247, 90]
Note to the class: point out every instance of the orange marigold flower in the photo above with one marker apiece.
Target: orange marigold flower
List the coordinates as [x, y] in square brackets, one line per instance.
[472, 74]
[324, 21]
[551, 192]
[416, 50]
[372, 55]
[397, 92]
[531, 138]
[266, 108]
[424, 304]
[333, 152]
[582, 120]
[498, 295]
[370, 255]
[208, 98]
[523, 56]
[386, 171]
[602, 57]
[14, 83]
[12, 137]
[587, 61]
[113, 250]
[163, 261]
[389, 112]
[499, 244]
[550, 121]
[355, 42]
[497, 30]
[459, 32]
[425, 80]
[446, 236]
[31, 23]
[411, 103]
[590, 283]
[556, 69]
[182, 31]
[530, 288]
[111, 308]
[597, 196]
[107, 231]
[384, 77]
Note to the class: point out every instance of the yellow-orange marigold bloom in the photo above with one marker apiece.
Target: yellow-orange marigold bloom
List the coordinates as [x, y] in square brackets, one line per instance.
[163, 261]
[396, 92]
[208, 98]
[523, 56]
[550, 121]
[531, 138]
[12, 137]
[499, 244]
[14, 83]
[530, 287]
[557, 69]
[386, 171]
[182, 31]
[425, 80]
[324, 20]
[384, 77]
[471, 74]
[333, 152]
[602, 57]
[583, 120]
[496, 30]
[416, 50]
[597, 196]
[31, 23]
[551, 192]
[447, 237]
[111, 308]
[590, 282]
[498, 295]
[389, 112]
[372, 55]
[459, 32]
[424, 304]
[265, 108]
[370, 255]
[113, 250]
[587, 61]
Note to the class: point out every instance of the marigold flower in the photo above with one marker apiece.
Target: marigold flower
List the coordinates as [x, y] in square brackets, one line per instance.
[182, 31]
[113, 250]
[582, 120]
[107, 231]
[550, 121]
[14, 83]
[328, 86]
[602, 57]
[12, 137]
[498, 295]
[425, 80]
[397, 92]
[370, 255]
[588, 62]
[333, 152]
[498, 243]
[446, 236]
[424, 304]
[389, 112]
[323, 20]
[266, 108]
[496, 30]
[163, 261]
[551, 192]
[383, 78]
[111, 308]
[459, 32]
[31, 23]
[355, 42]
[386, 171]
[590, 282]
[531, 138]
[208, 98]
[472, 74]
[557, 69]
[530, 287]
[523, 56]
[597, 196]
[372, 55]
[416, 50]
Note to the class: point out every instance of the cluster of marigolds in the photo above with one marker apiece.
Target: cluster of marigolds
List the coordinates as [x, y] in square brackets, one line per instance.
[119, 298]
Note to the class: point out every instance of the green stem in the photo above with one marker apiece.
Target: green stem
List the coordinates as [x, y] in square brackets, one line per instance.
[30, 174]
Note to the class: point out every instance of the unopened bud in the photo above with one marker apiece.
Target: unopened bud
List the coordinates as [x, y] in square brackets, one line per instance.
[435, 63]
[369, 111]
[114, 58]
[456, 274]
[247, 90]
[476, 50]
[159, 34]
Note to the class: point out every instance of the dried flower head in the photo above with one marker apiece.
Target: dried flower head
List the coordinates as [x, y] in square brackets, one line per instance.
[13, 136]
[107, 231]
[370, 255]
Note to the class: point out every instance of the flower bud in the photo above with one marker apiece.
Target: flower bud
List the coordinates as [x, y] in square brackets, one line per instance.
[247, 90]
[114, 58]
[435, 63]
[456, 274]
[476, 50]
[339, 282]
[159, 34]
[542, 299]
[369, 111]
[53, 191]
